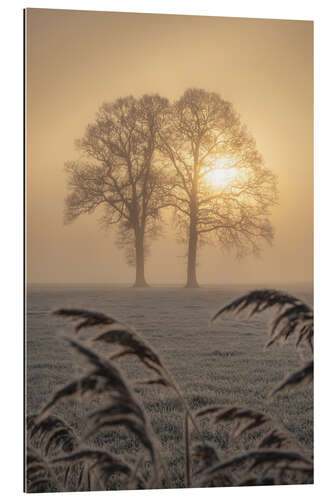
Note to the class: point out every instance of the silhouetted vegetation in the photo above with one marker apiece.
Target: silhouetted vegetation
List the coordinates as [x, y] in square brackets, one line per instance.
[143, 155]
[120, 171]
[222, 191]
[58, 459]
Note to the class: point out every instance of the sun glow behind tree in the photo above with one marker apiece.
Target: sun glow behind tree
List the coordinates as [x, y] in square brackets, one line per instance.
[223, 192]
[221, 175]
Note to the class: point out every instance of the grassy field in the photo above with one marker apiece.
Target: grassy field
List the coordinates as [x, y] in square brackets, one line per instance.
[224, 363]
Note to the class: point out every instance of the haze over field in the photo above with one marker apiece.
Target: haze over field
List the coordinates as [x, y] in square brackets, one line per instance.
[78, 60]
[155, 145]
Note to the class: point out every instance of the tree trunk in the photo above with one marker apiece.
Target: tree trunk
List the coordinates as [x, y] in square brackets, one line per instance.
[192, 257]
[193, 233]
[140, 280]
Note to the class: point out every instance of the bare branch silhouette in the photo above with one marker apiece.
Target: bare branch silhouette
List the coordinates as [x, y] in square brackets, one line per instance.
[205, 135]
[122, 171]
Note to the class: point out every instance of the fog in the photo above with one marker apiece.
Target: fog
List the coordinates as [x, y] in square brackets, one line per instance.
[78, 60]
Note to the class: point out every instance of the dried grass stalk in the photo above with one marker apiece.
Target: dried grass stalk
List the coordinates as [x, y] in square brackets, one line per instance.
[293, 315]
[38, 473]
[276, 438]
[85, 318]
[244, 419]
[104, 463]
[52, 433]
[303, 376]
[205, 456]
[187, 452]
[133, 344]
[124, 408]
[270, 459]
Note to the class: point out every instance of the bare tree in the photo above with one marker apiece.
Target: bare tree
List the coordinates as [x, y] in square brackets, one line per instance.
[121, 171]
[222, 189]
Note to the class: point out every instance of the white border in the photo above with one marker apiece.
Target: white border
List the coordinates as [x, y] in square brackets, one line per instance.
[12, 242]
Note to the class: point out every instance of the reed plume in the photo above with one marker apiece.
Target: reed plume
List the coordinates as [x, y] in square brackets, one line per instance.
[275, 459]
[52, 434]
[38, 474]
[244, 419]
[124, 409]
[103, 463]
[85, 318]
[267, 458]
[276, 438]
[292, 317]
[302, 376]
[131, 344]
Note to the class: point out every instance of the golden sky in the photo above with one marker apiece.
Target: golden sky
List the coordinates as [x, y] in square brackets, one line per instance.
[76, 60]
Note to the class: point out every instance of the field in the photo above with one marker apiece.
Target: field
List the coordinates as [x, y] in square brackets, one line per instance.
[222, 363]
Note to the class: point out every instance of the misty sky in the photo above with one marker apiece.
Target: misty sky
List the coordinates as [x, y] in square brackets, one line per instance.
[77, 60]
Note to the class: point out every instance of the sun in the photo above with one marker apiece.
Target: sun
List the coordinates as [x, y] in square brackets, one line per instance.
[221, 175]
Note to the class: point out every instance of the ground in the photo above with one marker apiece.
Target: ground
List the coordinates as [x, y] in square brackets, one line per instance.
[222, 363]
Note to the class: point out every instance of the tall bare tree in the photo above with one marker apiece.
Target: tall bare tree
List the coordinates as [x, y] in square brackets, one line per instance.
[120, 171]
[222, 189]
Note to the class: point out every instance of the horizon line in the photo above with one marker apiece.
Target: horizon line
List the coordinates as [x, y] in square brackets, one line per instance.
[130, 284]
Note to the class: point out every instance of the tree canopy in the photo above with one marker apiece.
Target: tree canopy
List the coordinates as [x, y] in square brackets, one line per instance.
[142, 155]
[222, 190]
[120, 170]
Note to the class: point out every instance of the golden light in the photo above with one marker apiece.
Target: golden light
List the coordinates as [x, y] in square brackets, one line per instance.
[221, 175]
